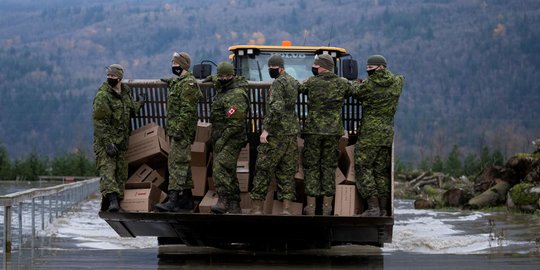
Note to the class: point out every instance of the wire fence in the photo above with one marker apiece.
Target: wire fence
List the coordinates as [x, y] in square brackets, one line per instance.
[27, 212]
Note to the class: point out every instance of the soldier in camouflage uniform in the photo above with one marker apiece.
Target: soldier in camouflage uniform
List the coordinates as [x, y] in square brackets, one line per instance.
[322, 130]
[229, 136]
[184, 95]
[278, 151]
[112, 110]
[379, 95]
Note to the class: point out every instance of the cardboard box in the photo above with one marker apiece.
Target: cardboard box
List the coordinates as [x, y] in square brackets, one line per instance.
[145, 174]
[347, 202]
[144, 128]
[163, 197]
[299, 175]
[242, 166]
[149, 146]
[344, 162]
[340, 177]
[156, 179]
[243, 181]
[351, 175]
[245, 200]
[209, 199]
[204, 132]
[140, 197]
[268, 205]
[211, 184]
[199, 154]
[140, 174]
[244, 154]
[277, 208]
[199, 176]
[242, 173]
[343, 142]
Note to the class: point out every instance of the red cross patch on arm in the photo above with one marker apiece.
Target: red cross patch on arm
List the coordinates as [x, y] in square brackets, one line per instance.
[231, 111]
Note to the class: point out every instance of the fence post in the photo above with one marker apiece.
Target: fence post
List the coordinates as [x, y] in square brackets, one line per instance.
[33, 221]
[42, 213]
[20, 225]
[7, 229]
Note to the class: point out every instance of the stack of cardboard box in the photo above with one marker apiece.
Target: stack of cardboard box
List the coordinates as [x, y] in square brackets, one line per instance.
[242, 169]
[201, 162]
[149, 145]
[346, 202]
[147, 151]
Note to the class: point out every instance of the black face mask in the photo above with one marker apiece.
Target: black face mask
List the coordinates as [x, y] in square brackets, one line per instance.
[176, 70]
[225, 82]
[274, 72]
[371, 71]
[315, 71]
[113, 82]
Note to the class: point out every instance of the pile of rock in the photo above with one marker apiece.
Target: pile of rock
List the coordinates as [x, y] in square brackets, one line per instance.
[516, 185]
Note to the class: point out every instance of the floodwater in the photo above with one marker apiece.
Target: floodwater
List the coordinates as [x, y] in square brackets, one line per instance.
[423, 239]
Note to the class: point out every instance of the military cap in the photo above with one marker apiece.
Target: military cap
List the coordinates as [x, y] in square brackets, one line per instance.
[376, 60]
[325, 61]
[115, 70]
[225, 69]
[183, 59]
[276, 60]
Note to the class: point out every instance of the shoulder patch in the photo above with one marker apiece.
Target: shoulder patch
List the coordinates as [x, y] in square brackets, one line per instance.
[231, 111]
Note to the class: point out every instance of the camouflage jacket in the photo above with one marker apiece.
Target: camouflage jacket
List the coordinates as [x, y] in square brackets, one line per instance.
[326, 93]
[281, 118]
[111, 115]
[379, 95]
[229, 112]
[184, 95]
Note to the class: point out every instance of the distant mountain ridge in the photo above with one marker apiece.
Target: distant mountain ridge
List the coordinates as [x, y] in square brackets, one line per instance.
[471, 68]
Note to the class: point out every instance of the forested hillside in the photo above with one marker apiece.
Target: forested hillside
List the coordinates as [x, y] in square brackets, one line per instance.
[472, 67]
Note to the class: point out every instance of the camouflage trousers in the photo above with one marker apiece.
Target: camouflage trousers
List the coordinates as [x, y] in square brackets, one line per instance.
[179, 163]
[276, 158]
[372, 168]
[320, 162]
[113, 172]
[224, 170]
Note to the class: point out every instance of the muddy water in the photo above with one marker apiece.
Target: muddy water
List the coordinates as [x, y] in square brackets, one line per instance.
[423, 239]
[463, 232]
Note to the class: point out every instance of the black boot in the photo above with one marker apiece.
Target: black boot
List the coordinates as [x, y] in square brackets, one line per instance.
[113, 202]
[383, 202]
[104, 203]
[186, 200]
[172, 204]
[373, 209]
[220, 207]
[233, 207]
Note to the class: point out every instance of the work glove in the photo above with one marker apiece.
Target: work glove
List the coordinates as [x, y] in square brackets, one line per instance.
[142, 98]
[166, 80]
[209, 78]
[111, 149]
